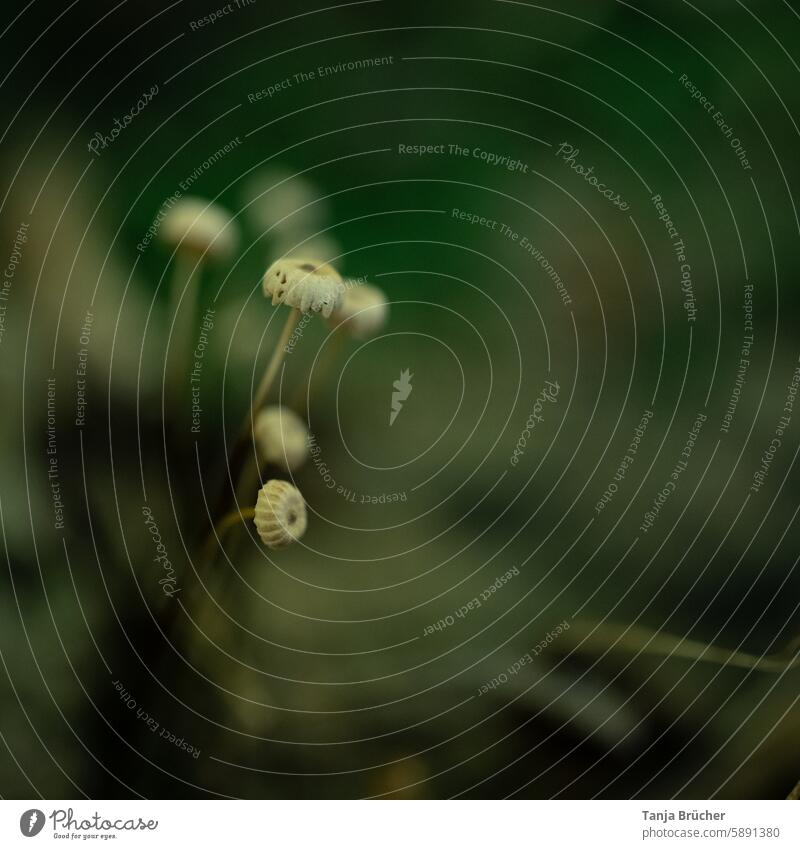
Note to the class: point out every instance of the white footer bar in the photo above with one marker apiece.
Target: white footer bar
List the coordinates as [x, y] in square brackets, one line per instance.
[402, 825]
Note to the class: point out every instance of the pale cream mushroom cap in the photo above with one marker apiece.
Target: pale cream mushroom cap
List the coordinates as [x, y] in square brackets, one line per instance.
[196, 225]
[306, 284]
[362, 312]
[280, 514]
[286, 204]
[281, 437]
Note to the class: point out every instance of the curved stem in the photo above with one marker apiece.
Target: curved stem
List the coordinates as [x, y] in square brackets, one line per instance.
[271, 372]
[233, 518]
[183, 300]
[636, 639]
[220, 529]
[249, 481]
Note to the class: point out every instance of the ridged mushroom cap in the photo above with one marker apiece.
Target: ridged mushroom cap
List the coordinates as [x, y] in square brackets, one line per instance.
[306, 284]
[280, 514]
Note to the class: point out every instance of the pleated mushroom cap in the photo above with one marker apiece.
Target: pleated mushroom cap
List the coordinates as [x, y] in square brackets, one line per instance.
[280, 516]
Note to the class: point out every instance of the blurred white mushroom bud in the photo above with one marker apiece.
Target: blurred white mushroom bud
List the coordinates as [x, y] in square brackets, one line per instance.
[281, 437]
[280, 514]
[296, 244]
[307, 285]
[201, 227]
[275, 199]
[362, 312]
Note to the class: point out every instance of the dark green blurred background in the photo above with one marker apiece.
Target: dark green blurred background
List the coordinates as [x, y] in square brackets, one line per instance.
[308, 673]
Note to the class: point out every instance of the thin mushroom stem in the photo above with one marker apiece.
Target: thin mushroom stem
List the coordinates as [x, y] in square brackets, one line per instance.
[250, 480]
[186, 267]
[271, 371]
[238, 454]
[221, 528]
